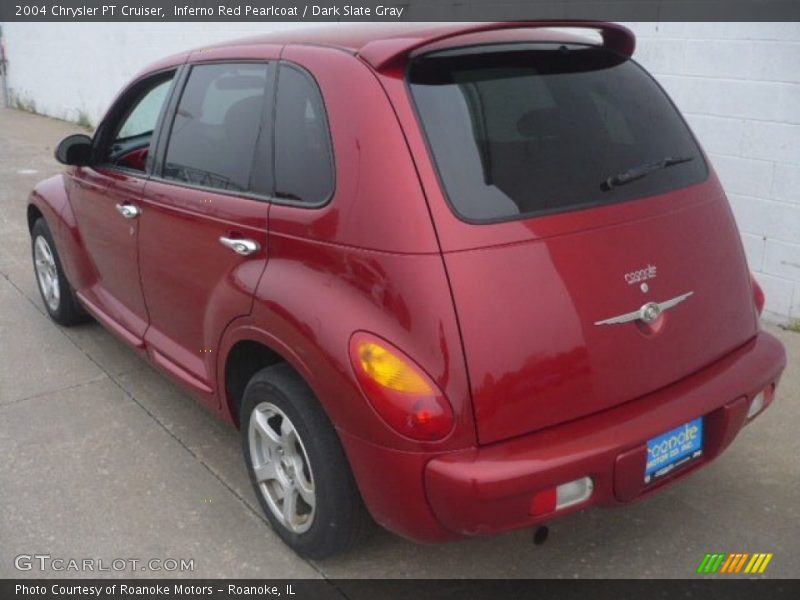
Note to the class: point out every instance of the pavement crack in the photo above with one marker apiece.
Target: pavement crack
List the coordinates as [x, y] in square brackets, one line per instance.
[192, 453]
[113, 378]
[30, 300]
[54, 390]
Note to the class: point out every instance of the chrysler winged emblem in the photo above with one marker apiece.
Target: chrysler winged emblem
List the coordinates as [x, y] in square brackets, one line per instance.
[647, 313]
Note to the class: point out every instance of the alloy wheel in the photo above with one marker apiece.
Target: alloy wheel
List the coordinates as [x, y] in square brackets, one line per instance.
[47, 273]
[281, 468]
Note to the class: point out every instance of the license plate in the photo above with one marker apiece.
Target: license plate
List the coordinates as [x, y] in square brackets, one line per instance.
[673, 449]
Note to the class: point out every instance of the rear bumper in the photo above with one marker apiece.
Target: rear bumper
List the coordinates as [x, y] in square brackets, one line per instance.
[489, 489]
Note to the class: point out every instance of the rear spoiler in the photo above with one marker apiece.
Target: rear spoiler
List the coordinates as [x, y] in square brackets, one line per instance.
[391, 52]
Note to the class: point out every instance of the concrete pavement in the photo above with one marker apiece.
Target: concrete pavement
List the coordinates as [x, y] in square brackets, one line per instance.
[105, 458]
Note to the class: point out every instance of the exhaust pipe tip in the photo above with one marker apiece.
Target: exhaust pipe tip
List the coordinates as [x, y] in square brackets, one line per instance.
[540, 535]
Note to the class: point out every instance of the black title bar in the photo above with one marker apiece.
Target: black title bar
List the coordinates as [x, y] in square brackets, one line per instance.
[398, 10]
[389, 589]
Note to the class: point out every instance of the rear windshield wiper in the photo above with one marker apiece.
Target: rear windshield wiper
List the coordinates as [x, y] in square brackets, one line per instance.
[641, 171]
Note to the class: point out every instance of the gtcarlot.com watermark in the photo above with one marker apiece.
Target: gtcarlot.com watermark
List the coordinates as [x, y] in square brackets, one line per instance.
[47, 562]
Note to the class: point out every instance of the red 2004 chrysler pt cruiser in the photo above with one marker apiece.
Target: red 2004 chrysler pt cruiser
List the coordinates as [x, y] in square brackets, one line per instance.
[461, 278]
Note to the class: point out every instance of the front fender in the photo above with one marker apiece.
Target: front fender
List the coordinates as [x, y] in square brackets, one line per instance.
[50, 197]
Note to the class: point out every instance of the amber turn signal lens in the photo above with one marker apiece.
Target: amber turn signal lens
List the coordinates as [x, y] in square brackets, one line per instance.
[402, 394]
[391, 371]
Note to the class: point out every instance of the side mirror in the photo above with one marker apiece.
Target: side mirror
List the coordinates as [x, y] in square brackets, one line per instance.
[74, 150]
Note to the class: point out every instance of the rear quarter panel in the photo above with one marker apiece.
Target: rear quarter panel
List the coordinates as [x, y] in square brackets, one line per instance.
[314, 296]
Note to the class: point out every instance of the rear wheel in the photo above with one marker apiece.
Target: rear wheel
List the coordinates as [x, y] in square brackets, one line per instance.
[57, 294]
[298, 467]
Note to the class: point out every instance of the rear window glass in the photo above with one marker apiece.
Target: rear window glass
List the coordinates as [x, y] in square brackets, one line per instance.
[529, 129]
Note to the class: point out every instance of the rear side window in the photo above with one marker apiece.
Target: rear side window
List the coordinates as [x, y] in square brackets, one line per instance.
[530, 129]
[217, 124]
[303, 158]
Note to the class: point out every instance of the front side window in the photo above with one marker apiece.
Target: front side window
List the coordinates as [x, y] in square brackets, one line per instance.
[132, 131]
[216, 127]
[303, 158]
[527, 129]
[142, 119]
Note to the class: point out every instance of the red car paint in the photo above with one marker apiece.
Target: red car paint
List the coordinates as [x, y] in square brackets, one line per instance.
[540, 395]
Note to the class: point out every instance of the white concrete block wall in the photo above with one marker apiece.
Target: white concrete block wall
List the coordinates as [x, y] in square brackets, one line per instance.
[737, 83]
[69, 68]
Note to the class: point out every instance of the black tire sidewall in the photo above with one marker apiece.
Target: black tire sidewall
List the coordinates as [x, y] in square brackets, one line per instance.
[40, 229]
[337, 500]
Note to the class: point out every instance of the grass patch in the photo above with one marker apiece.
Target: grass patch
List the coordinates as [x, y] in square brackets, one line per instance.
[28, 105]
[793, 325]
[84, 121]
[24, 104]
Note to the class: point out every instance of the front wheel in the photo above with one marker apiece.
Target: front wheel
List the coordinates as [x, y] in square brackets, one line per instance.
[57, 294]
[298, 467]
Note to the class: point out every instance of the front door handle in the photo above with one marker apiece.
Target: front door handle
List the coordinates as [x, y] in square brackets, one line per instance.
[129, 211]
[240, 246]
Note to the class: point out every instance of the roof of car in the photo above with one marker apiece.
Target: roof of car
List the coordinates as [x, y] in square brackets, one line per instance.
[348, 36]
[380, 44]
[386, 45]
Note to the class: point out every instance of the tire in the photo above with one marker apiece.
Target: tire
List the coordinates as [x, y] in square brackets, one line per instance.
[305, 458]
[57, 294]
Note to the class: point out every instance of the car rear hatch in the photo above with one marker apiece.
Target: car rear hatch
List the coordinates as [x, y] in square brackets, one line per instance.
[606, 262]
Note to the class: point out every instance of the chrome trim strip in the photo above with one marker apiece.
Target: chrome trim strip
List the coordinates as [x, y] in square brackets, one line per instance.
[645, 312]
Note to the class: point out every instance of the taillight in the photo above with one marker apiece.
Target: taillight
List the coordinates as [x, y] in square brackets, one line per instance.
[399, 390]
[758, 294]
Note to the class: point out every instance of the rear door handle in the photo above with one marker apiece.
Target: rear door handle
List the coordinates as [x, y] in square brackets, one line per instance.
[129, 211]
[240, 246]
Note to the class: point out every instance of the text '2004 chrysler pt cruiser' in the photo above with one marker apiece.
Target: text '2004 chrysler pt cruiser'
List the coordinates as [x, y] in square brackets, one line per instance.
[461, 278]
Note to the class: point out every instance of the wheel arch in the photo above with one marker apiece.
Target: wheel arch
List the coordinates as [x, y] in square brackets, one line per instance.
[50, 200]
[34, 214]
[245, 350]
[47, 200]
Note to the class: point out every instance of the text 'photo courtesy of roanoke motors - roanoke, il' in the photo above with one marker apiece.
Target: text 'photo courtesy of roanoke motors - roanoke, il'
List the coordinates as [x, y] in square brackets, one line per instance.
[428, 299]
